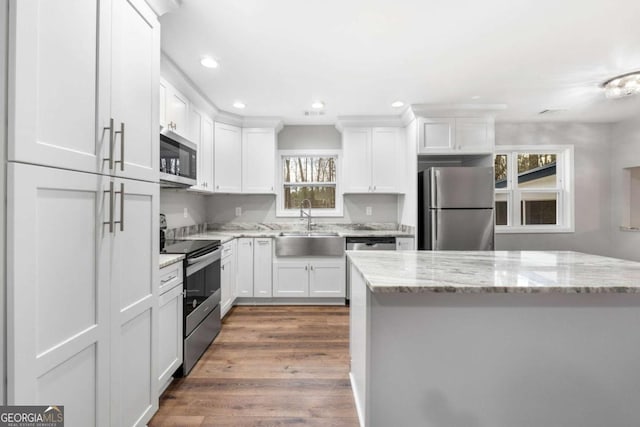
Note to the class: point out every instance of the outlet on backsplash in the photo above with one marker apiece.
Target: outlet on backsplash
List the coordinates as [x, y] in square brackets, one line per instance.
[238, 211]
[186, 213]
[368, 211]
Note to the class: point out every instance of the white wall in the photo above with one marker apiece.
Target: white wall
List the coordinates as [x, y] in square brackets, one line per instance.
[592, 158]
[173, 202]
[309, 138]
[262, 208]
[625, 152]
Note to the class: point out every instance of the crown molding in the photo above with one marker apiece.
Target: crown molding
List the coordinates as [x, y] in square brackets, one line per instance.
[457, 110]
[275, 123]
[160, 7]
[228, 118]
[368, 121]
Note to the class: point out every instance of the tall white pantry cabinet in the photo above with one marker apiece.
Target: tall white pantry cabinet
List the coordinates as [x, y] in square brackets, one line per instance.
[82, 208]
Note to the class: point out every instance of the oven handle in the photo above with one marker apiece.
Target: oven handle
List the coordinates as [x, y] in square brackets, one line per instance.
[213, 256]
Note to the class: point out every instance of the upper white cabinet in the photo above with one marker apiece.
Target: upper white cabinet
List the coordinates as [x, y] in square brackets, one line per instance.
[205, 155]
[371, 159]
[228, 158]
[174, 109]
[460, 135]
[85, 78]
[258, 160]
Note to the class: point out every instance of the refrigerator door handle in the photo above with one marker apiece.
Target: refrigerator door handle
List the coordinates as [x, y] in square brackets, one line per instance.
[434, 188]
[434, 228]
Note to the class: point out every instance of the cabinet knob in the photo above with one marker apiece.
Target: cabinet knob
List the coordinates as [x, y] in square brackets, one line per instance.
[217, 187]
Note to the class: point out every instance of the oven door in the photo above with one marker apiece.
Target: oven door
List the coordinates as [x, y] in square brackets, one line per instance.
[202, 288]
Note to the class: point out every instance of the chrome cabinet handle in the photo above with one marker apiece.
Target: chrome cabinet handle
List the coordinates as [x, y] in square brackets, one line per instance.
[168, 279]
[111, 207]
[306, 267]
[121, 192]
[263, 242]
[111, 140]
[121, 132]
[311, 267]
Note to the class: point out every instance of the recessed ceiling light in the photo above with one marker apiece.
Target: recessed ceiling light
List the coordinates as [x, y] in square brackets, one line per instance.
[239, 105]
[317, 105]
[397, 104]
[208, 62]
[475, 97]
[623, 85]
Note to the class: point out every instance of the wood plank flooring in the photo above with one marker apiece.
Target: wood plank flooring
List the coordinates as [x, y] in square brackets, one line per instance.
[270, 366]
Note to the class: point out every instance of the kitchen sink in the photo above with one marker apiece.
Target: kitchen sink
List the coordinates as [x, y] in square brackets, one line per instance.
[313, 243]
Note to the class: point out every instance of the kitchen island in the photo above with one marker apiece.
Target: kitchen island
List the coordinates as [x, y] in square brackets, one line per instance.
[494, 339]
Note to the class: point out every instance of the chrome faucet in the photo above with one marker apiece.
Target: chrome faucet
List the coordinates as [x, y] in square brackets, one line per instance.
[307, 214]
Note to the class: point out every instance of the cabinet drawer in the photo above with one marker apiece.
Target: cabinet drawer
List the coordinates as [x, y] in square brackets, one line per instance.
[170, 277]
[227, 249]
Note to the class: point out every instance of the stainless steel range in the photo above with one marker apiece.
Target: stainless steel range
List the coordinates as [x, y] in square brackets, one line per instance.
[201, 295]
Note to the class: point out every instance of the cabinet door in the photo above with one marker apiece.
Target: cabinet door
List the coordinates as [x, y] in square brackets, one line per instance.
[327, 279]
[404, 243]
[436, 135]
[195, 136]
[163, 104]
[225, 285]
[58, 292]
[291, 279]
[170, 338]
[54, 77]
[356, 163]
[244, 275]
[205, 155]
[177, 112]
[258, 160]
[228, 159]
[262, 264]
[134, 303]
[475, 135]
[385, 153]
[135, 74]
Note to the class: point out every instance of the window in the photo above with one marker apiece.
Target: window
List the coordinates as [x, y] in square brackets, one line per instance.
[311, 176]
[534, 189]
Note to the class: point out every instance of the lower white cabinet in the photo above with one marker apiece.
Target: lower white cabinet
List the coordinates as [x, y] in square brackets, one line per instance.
[404, 244]
[227, 277]
[82, 254]
[169, 323]
[254, 268]
[309, 277]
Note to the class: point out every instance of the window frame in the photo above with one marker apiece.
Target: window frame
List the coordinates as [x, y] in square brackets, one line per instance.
[565, 189]
[315, 212]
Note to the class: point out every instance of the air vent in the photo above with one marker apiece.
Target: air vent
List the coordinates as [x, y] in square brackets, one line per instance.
[552, 111]
[313, 113]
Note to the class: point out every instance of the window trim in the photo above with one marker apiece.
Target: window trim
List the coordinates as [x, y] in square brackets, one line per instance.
[565, 172]
[315, 212]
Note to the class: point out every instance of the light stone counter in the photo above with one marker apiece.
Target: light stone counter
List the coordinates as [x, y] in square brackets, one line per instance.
[168, 259]
[496, 272]
[227, 235]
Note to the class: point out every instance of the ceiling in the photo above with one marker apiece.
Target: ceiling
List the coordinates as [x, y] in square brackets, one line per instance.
[359, 56]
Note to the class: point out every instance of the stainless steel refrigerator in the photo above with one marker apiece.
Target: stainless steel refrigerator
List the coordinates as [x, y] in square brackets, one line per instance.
[455, 208]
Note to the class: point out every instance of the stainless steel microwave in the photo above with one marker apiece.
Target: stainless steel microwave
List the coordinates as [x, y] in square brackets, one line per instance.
[178, 160]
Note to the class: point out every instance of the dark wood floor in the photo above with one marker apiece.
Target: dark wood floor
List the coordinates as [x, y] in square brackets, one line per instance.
[270, 366]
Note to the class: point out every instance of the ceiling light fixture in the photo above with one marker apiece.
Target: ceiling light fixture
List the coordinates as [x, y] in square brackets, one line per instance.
[239, 105]
[622, 85]
[317, 105]
[208, 62]
[397, 104]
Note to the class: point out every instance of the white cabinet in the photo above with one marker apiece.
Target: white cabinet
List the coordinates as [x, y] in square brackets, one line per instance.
[169, 324]
[85, 89]
[101, 353]
[174, 109]
[309, 277]
[258, 160]
[262, 265]
[201, 133]
[461, 135]
[371, 160]
[227, 277]
[404, 244]
[254, 272]
[228, 158]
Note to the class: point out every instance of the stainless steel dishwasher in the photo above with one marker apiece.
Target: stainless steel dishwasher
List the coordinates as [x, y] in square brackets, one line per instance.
[367, 244]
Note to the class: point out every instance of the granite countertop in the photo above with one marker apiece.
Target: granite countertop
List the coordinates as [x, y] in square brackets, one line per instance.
[227, 235]
[168, 259]
[495, 272]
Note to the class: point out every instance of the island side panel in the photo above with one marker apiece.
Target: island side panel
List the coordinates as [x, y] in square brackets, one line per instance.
[358, 341]
[504, 360]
